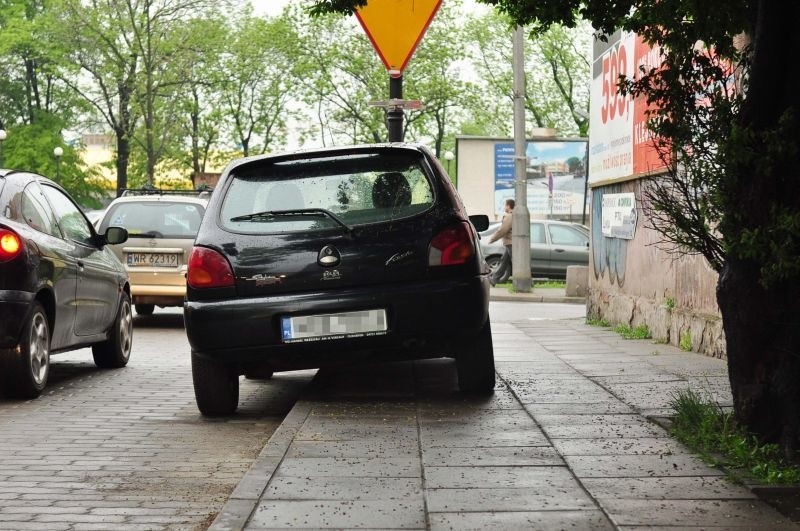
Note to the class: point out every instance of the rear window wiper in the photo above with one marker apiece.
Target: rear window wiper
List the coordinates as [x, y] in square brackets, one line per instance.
[268, 215]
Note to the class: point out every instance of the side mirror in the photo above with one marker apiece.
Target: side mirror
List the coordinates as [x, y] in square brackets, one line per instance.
[480, 222]
[115, 235]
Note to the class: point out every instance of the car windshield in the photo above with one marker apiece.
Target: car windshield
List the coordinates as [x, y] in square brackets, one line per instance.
[326, 193]
[156, 219]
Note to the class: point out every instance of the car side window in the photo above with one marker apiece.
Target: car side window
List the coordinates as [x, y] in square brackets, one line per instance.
[37, 212]
[537, 233]
[69, 216]
[561, 235]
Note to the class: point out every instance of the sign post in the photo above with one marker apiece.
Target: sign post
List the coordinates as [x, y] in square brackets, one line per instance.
[395, 28]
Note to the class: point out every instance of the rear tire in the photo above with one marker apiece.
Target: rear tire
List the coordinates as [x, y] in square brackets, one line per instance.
[475, 363]
[115, 352]
[145, 309]
[24, 374]
[493, 262]
[216, 387]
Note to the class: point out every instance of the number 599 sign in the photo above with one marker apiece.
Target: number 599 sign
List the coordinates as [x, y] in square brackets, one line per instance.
[615, 64]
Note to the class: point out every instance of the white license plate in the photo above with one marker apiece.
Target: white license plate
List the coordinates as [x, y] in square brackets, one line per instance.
[153, 259]
[333, 326]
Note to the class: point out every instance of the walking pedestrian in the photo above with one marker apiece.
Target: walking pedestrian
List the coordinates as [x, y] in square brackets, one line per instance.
[503, 271]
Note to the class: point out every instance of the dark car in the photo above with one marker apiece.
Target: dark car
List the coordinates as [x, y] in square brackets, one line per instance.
[61, 288]
[332, 256]
[555, 245]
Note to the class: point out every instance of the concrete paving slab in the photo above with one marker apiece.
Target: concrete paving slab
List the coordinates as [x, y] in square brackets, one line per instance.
[671, 488]
[344, 488]
[604, 431]
[507, 499]
[499, 477]
[359, 448]
[609, 406]
[617, 447]
[503, 456]
[337, 514]
[338, 467]
[590, 520]
[645, 465]
[698, 513]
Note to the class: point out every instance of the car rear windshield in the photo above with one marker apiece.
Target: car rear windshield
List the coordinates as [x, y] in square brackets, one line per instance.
[161, 219]
[326, 192]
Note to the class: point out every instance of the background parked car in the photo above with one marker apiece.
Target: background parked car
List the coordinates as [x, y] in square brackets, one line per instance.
[554, 246]
[162, 225]
[333, 256]
[61, 287]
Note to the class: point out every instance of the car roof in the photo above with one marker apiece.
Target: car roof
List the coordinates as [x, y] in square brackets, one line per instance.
[330, 150]
[200, 198]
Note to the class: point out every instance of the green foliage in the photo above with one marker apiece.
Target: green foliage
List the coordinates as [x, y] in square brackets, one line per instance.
[715, 435]
[628, 332]
[669, 302]
[30, 147]
[685, 342]
[596, 321]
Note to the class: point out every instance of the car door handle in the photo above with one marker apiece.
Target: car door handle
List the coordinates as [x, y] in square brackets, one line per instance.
[81, 264]
[558, 250]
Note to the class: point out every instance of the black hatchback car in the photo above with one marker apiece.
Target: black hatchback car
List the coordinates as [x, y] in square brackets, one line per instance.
[332, 256]
[61, 288]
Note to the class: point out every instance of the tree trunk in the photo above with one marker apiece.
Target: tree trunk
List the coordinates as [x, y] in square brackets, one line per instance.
[759, 290]
[762, 332]
[123, 156]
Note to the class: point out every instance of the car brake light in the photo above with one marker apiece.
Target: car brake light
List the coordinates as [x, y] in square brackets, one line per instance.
[208, 269]
[452, 246]
[10, 245]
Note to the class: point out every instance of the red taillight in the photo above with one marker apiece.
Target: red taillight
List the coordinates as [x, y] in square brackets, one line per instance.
[453, 245]
[208, 269]
[10, 245]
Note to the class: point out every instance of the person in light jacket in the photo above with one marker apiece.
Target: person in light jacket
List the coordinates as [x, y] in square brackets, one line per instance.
[503, 271]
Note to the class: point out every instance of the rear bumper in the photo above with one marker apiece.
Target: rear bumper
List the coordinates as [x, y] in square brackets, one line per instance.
[166, 294]
[425, 319]
[14, 307]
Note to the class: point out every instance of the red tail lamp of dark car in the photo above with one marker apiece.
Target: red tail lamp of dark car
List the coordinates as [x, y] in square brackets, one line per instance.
[452, 246]
[208, 269]
[10, 245]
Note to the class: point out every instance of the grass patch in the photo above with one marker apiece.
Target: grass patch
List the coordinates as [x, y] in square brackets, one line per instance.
[685, 342]
[561, 284]
[639, 332]
[670, 303]
[716, 437]
[596, 321]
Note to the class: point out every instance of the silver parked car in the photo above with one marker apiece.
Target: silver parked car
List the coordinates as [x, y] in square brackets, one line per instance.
[554, 246]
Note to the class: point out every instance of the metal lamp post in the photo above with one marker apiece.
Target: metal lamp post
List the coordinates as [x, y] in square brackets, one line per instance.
[448, 156]
[3, 135]
[57, 152]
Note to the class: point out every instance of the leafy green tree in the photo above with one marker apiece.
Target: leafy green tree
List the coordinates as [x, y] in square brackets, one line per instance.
[743, 193]
[255, 83]
[338, 75]
[98, 40]
[30, 147]
[557, 73]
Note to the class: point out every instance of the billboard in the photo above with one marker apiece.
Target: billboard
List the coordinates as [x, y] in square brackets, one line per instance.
[555, 172]
[620, 143]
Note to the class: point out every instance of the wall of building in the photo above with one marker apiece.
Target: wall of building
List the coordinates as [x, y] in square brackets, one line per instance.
[475, 161]
[639, 282]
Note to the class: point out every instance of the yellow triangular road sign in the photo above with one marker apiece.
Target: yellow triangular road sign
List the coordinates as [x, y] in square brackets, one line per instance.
[396, 27]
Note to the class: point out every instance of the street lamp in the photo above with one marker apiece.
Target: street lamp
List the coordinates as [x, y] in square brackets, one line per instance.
[3, 135]
[448, 156]
[57, 152]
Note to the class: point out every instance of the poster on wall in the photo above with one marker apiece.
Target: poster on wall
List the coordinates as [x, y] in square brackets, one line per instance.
[619, 215]
[555, 172]
[620, 143]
